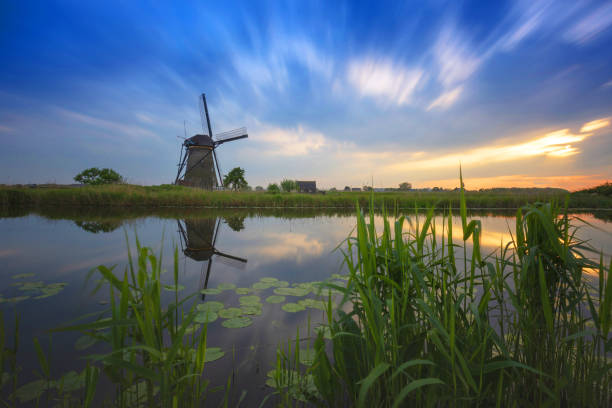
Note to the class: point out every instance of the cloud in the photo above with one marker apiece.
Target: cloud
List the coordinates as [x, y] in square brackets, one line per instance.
[455, 58]
[384, 80]
[591, 26]
[129, 130]
[289, 141]
[595, 125]
[568, 182]
[446, 99]
[5, 129]
[607, 84]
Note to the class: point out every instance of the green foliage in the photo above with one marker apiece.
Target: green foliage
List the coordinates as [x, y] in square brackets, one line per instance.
[428, 324]
[235, 179]
[288, 185]
[95, 176]
[405, 186]
[604, 189]
[273, 188]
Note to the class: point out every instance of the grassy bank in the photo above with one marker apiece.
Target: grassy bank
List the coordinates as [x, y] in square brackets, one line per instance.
[178, 196]
[432, 322]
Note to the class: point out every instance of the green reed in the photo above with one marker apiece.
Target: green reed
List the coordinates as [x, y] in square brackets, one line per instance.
[431, 324]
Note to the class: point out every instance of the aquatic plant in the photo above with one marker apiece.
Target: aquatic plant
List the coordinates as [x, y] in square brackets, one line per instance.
[432, 322]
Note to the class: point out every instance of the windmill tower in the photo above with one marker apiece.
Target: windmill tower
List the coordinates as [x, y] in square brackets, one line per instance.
[198, 165]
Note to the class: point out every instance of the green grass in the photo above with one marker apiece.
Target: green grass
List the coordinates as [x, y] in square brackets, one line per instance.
[179, 196]
[431, 322]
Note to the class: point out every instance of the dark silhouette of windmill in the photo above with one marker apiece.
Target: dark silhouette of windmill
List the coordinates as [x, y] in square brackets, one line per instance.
[198, 164]
[198, 237]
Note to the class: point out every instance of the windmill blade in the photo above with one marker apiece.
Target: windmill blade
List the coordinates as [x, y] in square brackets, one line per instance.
[218, 169]
[231, 135]
[230, 260]
[204, 116]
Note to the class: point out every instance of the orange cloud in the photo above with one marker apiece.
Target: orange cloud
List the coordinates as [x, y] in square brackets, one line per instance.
[571, 183]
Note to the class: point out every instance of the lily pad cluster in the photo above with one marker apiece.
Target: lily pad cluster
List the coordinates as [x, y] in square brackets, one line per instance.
[32, 289]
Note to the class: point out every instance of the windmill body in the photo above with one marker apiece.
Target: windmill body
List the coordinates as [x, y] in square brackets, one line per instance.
[198, 165]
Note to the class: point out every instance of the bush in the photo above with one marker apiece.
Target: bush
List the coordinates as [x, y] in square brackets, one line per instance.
[288, 185]
[273, 188]
[95, 176]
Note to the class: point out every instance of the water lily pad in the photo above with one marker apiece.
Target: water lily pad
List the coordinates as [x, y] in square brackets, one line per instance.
[275, 299]
[32, 285]
[295, 291]
[325, 330]
[192, 328]
[252, 309]
[341, 277]
[313, 304]
[210, 291]
[23, 275]
[212, 306]
[230, 312]
[205, 317]
[307, 356]
[237, 322]
[213, 354]
[268, 280]
[32, 390]
[243, 291]
[84, 342]
[280, 284]
[261, 285]
[173, 288]
[249, 300]
[16, 299]
[71, 381]
[226, 286]
[292, 307]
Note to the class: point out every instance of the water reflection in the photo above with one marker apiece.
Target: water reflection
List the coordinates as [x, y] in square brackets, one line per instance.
[198, 237]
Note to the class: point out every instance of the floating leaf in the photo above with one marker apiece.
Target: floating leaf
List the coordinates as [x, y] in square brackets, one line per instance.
[307, 356]
[281, 284]
[292, 291]
[226, 286]
[313, 304]
[213, 354]
[292, 307]
[23, 275]
[211, 306]
[205, 316]
[32, 285]
[192, 328]
[230, 312]
[210, 291]
[32, 390]
[252, 309]
[261, 285]
[84, 342]
[243, 291]
[341, 277]
[325, 330]
[173, 288]
[269, 280]
[237, 322]
[16, 299]
[249, 300]
[71, 381]
[275, 299]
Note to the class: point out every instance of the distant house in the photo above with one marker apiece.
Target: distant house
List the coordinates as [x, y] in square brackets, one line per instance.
[356, 189]
[306, 186]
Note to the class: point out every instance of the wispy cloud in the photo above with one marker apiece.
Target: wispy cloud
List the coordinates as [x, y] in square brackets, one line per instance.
[297, 141]
[595, 125]
[591, 25]
[569, 182]
[455, 57]
[446, 99]
[384, 80]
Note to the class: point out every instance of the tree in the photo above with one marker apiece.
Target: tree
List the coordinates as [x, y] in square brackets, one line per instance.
[273, 188]
[235, 179]
[288, 185]
[367, 188]
[405, 186]
[95, 176]
[347, 188]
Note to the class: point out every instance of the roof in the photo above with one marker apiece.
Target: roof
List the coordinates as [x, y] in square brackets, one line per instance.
[199, 140]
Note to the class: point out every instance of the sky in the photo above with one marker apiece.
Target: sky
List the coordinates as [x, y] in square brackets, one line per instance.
[519, 93]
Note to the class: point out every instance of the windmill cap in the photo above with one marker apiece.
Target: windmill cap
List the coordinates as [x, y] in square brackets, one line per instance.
[199, 140]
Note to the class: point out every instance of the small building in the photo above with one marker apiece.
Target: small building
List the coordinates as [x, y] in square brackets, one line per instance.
[356, 189]
[306, 186]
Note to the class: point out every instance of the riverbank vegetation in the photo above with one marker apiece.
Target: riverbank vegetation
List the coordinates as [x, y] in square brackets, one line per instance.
[433, 322]
[124, 195]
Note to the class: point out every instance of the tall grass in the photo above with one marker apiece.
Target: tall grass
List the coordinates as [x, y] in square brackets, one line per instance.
[432, 322]
[161, 196]
[152, 354]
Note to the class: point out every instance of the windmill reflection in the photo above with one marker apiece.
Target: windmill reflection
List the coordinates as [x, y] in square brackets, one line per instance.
[198, 238]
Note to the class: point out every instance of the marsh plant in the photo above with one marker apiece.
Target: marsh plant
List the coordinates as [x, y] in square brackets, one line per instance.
[433, 322]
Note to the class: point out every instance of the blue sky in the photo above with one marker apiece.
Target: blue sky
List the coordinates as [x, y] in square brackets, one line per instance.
[519, 92]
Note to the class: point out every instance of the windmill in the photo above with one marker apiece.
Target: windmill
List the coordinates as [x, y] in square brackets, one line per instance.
[198, 165]
[198, 238]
